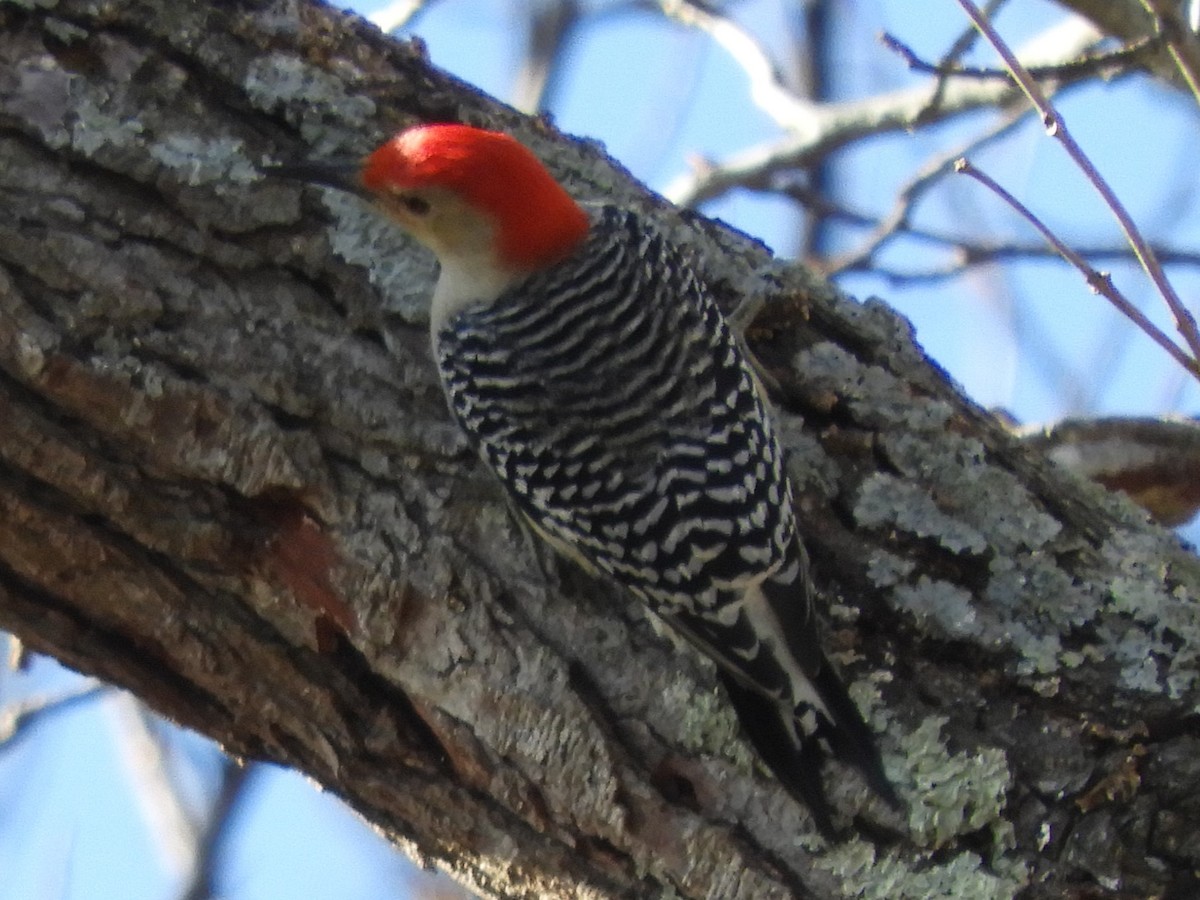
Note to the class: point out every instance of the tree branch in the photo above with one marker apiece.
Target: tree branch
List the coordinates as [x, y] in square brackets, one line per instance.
[830, 126]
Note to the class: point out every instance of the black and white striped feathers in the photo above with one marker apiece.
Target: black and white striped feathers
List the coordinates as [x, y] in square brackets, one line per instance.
[609, 396]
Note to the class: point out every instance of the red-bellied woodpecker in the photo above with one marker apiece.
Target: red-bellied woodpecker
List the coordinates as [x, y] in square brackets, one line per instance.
[586, 361]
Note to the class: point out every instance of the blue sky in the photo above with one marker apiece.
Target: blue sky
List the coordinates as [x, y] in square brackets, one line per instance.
[1029, 338]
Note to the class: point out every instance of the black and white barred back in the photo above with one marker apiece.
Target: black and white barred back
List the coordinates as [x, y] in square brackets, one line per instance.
[611, 399]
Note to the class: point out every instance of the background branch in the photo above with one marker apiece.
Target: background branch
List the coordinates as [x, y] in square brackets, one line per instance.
[834, 125]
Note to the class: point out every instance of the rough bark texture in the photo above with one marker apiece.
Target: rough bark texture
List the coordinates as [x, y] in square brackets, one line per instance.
[228, 483]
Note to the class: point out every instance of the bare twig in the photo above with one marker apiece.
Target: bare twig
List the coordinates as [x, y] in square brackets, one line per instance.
[397, 14]
[147, 767]
[236, 778]
[968, 255]
[1099, 282]
[550, 27]
[835, 125]
[1182, 43]
[960, 46]
[898, 219]
[190, 843]
[766, 87]
[1056, 128]
[19, 656]
[15, 718]
[1086, 65]
[816, 58]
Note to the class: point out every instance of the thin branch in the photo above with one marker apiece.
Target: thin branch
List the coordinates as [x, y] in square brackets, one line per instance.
[1087, 65]
[957, 49]
[835, 125]
[1056, 128]
[1182, 43]
[236, 778]
[396, 15]
[970, 255]
[15, 718]
[967, 253]
[817, 58]
[19, 656]
[174, 830]
[1099, 282]
[930, 174]
[766, 87]
[550, 27]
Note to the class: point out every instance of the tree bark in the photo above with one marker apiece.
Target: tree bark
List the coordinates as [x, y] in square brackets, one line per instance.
[228, 482]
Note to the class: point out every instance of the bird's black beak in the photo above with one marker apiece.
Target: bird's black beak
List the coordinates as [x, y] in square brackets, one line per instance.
[341, 175]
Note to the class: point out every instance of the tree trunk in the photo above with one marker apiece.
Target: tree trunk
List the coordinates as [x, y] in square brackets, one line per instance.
[228, 482]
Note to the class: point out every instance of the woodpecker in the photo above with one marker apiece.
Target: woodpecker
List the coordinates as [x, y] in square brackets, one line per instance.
[588, 364]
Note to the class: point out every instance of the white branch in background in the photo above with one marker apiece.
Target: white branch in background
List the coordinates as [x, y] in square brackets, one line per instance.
[395, 15]
[549, 27]
[146, 765]
[766, 87]
[829, 126]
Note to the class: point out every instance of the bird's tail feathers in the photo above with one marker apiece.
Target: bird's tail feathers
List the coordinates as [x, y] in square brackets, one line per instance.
[824, 710]
[796, 761]
[849, 736]
[793, 749]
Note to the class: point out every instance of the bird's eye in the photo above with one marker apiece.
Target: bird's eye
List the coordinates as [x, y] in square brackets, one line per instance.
[418, 206]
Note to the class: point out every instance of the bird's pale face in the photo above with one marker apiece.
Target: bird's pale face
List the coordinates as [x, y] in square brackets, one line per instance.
[461, 236]
[441, 220]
